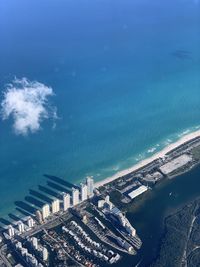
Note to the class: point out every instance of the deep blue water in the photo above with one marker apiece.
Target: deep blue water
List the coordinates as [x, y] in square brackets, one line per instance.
[120, 88]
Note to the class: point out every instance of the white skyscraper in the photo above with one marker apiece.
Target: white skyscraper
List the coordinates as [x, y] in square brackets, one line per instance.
[45, 211]
[66, 201]
[30, 222]
[39, 216]
[21, 227]
[75, 196]
[84, 192]
[44, 254]
[90, 185]
[34, 242]
[11, 231]
[55, 206]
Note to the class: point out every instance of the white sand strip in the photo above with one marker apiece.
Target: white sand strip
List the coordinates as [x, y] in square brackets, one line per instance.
[144, 162]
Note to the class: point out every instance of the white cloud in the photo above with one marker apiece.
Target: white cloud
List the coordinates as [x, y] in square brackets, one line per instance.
[27, 103]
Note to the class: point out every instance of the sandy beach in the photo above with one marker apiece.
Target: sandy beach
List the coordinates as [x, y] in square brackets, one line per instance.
[146, 161]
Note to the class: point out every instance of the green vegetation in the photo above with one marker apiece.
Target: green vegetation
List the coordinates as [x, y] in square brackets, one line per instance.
[133, 205]
[178, 240]
[115, 197]
[196, 153]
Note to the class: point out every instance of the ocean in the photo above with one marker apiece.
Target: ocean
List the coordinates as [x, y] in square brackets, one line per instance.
[125, 77]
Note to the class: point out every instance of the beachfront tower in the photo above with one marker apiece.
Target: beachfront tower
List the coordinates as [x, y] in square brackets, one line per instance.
[11, 231]
[66, 201]
[84, 192]
[30, 222]
[21, 228]
[90, 185]
[45, 211]
[55, 206]
[75, 196]
[38, 216]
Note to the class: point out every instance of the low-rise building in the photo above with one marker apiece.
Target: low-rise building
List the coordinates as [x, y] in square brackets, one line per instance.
[176, 164]
[136, 192]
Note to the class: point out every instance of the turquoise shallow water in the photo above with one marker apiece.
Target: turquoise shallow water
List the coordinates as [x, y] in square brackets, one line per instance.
[120, 86]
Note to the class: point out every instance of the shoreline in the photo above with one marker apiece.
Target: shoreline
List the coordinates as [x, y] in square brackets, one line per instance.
[157, 155]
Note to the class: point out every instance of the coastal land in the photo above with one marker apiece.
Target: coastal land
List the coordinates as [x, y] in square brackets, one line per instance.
[180, 245]
[107, 226]
[161, 154]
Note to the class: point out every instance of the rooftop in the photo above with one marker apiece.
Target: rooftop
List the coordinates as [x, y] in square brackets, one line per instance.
[138, 191]
[175, 164]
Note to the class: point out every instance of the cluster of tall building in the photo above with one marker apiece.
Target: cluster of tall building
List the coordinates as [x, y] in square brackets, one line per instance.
[114, 212]
[40, 250]
[21, 227]
[46, 210]
[77, 196]
[29, 258]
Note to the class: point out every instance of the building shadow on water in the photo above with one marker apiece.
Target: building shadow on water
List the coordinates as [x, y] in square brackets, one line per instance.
[5, 222]
[58, 187]
[60, 181]
[182, 54]
[48, 191]
[23, 212]
[25, 206]
[40, 196]
[34, 201]
[14, 217]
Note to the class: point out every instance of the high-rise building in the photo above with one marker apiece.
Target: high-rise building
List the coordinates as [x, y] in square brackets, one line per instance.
[31, 260]
[75, 196]
[44, 254]
[30, 222]
[45, 211]
[84, 192]
[90, 185]
[18, 245]
[108, 204]
[66, 201]
[34, 242]
[55, 206]
[38, 215]
[107, 199]
[21, 228]
[24, 251]
[11, 231]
